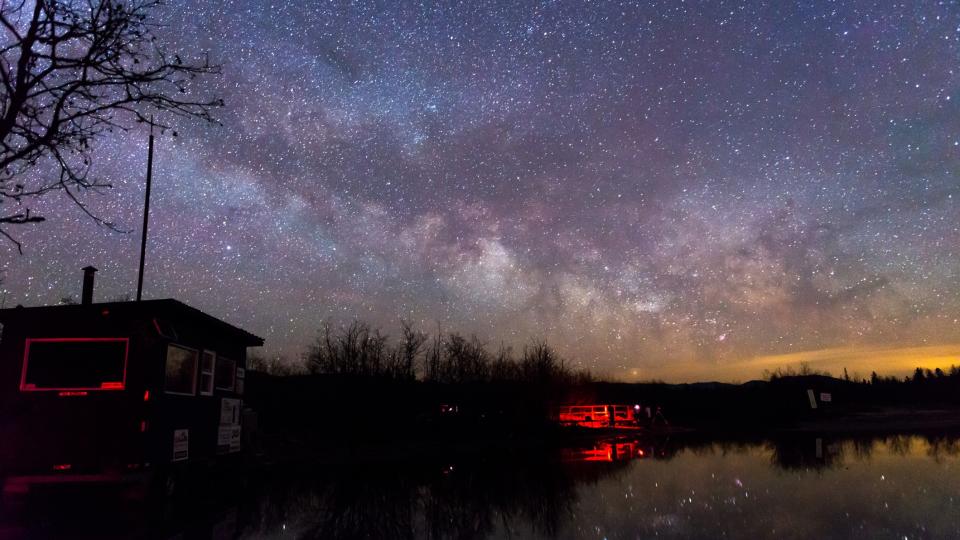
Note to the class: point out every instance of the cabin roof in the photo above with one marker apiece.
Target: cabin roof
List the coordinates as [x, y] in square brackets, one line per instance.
[145, 309]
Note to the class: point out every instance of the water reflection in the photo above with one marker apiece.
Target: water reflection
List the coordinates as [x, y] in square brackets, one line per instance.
[465, 498]
[786, 487]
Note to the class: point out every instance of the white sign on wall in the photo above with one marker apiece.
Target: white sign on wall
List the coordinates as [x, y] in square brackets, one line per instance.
[230, 410]
[228, 435]
[181, 444]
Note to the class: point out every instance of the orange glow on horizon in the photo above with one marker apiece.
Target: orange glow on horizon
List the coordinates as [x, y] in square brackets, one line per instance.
[859, 361]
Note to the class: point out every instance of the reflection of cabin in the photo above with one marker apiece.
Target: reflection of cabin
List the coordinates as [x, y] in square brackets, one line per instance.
[599, 416]
[98, 391]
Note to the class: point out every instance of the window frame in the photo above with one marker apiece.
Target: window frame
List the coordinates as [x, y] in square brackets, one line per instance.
[233, 375]
[213, 369]
[101, 388]
[239, 381]
[196, 369]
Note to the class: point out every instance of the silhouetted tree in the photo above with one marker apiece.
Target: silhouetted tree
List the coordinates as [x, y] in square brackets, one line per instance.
[70, 72]
[359, 349]
[504, 367]
[433, 357]
[465, 360]
[273, 365]
[541, 363]
[411, 347]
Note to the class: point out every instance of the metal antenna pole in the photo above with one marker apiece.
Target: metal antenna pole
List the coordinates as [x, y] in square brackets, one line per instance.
[146, 214]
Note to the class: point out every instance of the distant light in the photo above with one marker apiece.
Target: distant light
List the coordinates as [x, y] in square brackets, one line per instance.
[63, 467]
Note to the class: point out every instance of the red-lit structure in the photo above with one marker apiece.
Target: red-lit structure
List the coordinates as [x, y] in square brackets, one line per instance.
[107, 392]
[599, 416]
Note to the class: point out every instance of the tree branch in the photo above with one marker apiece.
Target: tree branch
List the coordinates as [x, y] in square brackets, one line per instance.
[73, 71]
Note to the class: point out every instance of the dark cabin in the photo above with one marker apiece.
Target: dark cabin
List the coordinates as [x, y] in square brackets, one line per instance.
[103, 392]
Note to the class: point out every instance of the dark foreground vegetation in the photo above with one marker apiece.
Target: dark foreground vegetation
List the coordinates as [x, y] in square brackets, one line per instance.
[357, 388]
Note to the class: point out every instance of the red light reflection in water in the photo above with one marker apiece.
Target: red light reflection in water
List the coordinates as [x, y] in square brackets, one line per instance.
[607, 451]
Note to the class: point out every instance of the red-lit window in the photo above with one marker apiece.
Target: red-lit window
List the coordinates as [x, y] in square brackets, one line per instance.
[181, 371]
[226, 374]
[207, 362]
[67, 364]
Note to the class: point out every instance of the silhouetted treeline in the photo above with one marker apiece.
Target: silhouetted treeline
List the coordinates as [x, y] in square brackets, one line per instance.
[935, 387]
[919, 376]
[357, 383]
[931, 387]
[358, 349]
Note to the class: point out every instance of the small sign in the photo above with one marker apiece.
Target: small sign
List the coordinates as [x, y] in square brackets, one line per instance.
[228, 435]
[181, 444]
[228, 439]
[812, 398]
[826, 397]
[230, 411]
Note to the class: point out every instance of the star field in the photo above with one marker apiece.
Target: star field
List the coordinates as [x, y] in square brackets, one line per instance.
[647, 185]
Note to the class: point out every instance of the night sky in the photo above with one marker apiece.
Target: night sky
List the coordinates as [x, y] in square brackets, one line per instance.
[679, 190]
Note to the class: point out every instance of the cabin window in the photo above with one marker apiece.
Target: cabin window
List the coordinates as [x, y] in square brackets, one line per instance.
[181, 372]
[226, 374]
[74, 364]
[207, 361]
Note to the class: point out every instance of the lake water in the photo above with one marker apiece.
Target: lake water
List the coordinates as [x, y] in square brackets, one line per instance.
[801, 487]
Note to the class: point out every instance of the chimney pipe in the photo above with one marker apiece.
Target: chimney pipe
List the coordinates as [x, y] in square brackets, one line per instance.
[87, 297]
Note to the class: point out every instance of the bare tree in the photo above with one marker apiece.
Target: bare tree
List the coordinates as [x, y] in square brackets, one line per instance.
[540, 363]
[358, 349]
[433, 358]
[504, 366]
[411, 346]
[71, 71]
[355, 349]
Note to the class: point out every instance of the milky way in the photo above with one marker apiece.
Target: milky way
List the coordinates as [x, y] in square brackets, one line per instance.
[649, 186]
